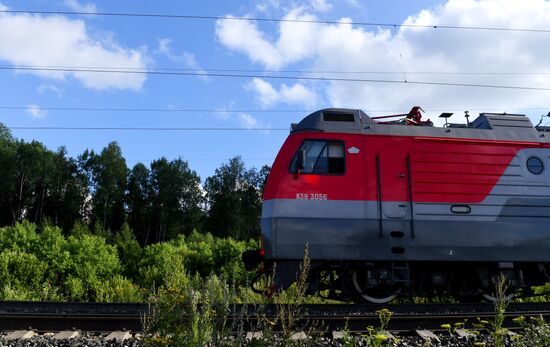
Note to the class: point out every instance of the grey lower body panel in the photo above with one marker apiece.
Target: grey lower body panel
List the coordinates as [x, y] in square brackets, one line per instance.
[434, 240]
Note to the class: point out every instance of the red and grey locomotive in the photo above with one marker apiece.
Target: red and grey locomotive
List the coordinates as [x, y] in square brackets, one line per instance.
[392, 208]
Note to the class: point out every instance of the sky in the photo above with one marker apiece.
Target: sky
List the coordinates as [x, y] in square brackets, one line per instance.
[260, 104]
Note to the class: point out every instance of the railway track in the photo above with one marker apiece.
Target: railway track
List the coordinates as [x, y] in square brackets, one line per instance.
[57, 316]
[120, 324]
[53, 316]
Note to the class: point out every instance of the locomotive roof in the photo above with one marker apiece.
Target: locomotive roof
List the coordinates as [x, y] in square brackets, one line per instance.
[489, 126]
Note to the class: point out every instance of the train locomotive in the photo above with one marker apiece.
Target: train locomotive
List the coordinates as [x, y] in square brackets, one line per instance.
[392, 208]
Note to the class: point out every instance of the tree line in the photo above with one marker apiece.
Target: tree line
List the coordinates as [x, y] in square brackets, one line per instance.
[98, 189]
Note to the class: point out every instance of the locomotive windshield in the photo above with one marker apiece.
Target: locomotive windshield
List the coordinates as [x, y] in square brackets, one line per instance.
[320, 157]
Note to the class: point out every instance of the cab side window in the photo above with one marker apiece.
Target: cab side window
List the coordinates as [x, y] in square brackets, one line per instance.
[321, 157]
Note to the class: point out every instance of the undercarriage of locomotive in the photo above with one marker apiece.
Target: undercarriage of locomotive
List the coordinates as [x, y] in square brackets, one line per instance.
[381, 282]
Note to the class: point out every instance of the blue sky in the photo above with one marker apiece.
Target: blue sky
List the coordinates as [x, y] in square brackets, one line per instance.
[263, 48]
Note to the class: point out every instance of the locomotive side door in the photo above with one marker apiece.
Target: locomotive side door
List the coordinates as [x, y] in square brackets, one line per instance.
[394, 190]
[393, 183]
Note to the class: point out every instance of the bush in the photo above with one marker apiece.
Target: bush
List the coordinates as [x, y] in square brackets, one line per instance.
[129, 251]
[118, 289]
[53, 251]
[89, 262]
[75, 289]
[21, 269]
[43, 264]
[158, 261]
[536, 332]
[190, 311]
[22, 236]
[221, 256]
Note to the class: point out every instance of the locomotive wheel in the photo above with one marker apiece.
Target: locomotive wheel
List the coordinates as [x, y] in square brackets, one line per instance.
[373, 295]
[492, 298]
[508, 291]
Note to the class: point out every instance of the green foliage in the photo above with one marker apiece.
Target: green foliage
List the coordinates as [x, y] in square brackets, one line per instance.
[158, 261]
[92, 259]
[377, 337]
[52, 249]
[43, 264]
[348, 340]
[75, 288]
[5, 134]
[536, 332]
[234, 200]
[118, 289]
[22, 236]
[501, 303]
[137, 200]
[17, 293]
[38, 184]
[176, 197]
[107, 173]
[189, 311]
[129, 251]
[97, 189]
[200, 254]
[16, 266]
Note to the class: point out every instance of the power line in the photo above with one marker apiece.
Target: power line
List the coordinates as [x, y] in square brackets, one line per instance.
[206, 71]
[200, 159]
[246, 110]
[145, 128]
[325, 79]
[273, 20]
[170, 110]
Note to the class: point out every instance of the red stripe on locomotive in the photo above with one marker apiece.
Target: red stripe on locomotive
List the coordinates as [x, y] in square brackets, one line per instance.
[443, 169]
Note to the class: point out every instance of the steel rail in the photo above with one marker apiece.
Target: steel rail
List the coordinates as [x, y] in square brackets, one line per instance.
[55, 316]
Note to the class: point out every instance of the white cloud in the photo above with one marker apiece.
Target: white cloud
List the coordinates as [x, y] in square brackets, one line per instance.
[267, 6]
[248, 121]
[48, 87]
[164, 47]
[344, 47]
[223, 113]
[294, 43]
[244, 120]
[353, 3]
[297, 94]
[232, 34]
[186, 58]
[78, 7]
[35, 111]
[321, 5]
[37, 40]
[267, 95]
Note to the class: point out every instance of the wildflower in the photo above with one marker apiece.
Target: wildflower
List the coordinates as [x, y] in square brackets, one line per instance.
[380, 337]
[519, 320]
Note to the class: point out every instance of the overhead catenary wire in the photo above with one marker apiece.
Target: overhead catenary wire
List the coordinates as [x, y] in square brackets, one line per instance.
[204, 71]
[144, 128]
[246, 75]
[273, 20]
[197, 159]
[247, 110]
[148, 109]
